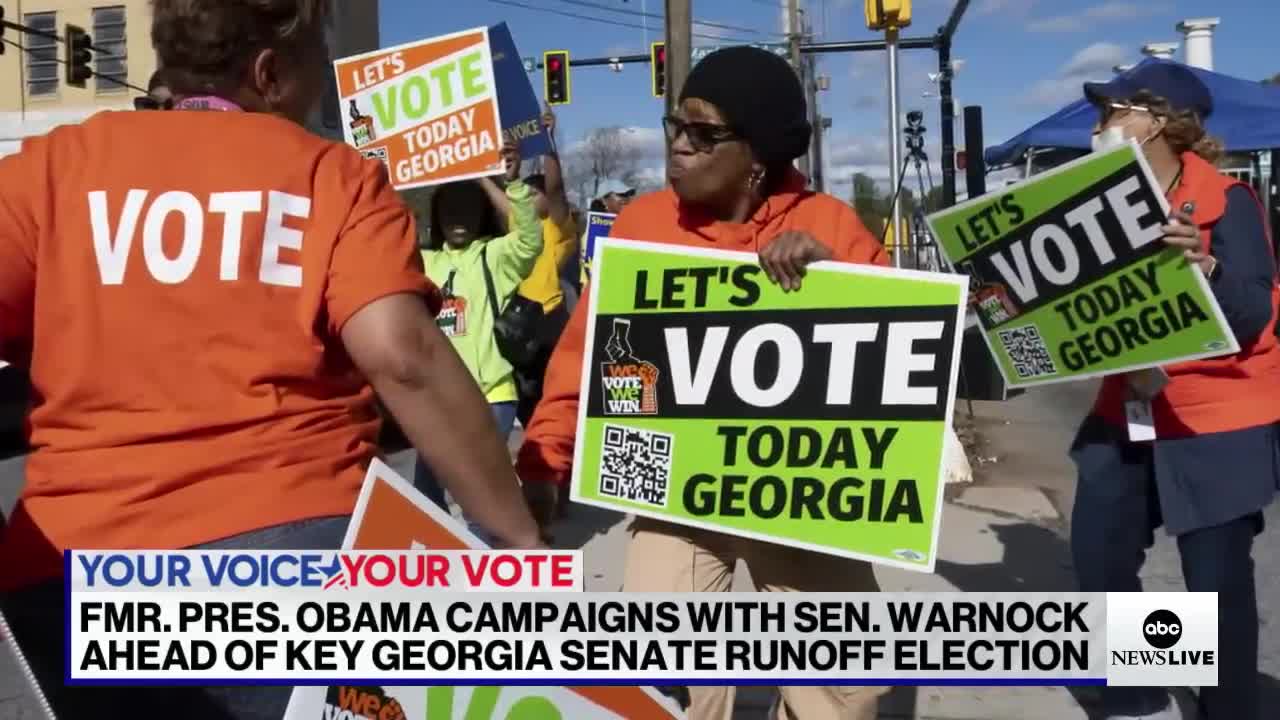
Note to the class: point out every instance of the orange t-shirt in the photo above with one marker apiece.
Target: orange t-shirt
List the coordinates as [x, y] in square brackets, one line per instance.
[548, 450]
[176, 283]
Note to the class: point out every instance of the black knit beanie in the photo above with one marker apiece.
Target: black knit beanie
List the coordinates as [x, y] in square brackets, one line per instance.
[760, 97]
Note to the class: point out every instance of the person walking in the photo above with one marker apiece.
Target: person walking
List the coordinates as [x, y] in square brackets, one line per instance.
[740, 124]
[1215, 461]
[205, 334]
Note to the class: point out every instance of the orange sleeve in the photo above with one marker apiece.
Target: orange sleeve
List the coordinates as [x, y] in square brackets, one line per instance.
[376, 251]
[854, 243]
[24, 188]
[547, 453]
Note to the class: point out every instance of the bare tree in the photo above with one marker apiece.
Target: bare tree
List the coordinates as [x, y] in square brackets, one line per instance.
[610, 153]
[578, 180]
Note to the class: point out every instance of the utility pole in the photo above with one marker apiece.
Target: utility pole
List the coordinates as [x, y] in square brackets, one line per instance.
[679, 20]
[815, 118]
[795, 36]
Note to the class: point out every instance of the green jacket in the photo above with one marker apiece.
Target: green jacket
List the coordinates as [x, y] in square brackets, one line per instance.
[511, 259]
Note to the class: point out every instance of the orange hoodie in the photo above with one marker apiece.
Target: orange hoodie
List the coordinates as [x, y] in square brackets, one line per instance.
[547, 453]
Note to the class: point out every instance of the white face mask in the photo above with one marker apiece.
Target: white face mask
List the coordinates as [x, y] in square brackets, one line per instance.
[1108, 139]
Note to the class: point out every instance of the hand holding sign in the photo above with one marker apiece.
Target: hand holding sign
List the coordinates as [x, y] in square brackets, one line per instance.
[784, 259]
[549, 120]
[1181, 232]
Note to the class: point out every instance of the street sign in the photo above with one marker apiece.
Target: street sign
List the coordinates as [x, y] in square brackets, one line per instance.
[779, 49]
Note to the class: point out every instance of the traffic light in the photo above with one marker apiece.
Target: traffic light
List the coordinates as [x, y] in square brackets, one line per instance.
[79, 55]
[658, 63]
[887, 14]
[555, 68]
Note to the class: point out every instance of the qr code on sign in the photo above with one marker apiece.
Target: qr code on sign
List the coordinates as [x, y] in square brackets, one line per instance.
[1028, 352]
[635, 465]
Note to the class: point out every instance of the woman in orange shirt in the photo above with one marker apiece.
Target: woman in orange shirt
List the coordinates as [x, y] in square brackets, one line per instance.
[740, 125]
[207, 299]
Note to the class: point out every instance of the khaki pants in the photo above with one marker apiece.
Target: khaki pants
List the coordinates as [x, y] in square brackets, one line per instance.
[670, 558]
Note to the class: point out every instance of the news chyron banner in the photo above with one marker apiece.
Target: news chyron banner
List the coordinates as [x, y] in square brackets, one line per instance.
[391, 641]
[816, 419]
[390, 513]
[427, 109]
[599, 225]
[1071, 278]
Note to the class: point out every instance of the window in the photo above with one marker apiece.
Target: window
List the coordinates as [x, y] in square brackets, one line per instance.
[111, 61]
[42, 54]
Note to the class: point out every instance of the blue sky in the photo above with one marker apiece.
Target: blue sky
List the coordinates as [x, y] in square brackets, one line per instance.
[1022, 58]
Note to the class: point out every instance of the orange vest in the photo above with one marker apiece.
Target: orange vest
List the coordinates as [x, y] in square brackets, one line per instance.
[1219, 394]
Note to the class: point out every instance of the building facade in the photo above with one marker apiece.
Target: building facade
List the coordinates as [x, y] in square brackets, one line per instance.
[34, 95]
[354, 30]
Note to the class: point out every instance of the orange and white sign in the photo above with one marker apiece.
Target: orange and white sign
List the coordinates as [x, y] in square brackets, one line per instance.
[391, 514]
[428, 109]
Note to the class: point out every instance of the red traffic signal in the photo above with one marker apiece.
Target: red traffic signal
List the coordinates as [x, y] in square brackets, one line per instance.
[658, 64]
[555, 65]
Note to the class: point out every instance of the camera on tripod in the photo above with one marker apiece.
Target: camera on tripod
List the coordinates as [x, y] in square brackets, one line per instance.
[915, 131]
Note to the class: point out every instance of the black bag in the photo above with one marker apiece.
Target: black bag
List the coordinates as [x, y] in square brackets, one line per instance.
[515, 327]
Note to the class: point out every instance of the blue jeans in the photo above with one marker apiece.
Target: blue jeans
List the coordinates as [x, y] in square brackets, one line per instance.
[36, 618]
[504, 414]
[1112, 526]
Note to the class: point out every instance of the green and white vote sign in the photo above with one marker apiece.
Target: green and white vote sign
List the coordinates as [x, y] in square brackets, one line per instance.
[815, 419]
[1071, 276]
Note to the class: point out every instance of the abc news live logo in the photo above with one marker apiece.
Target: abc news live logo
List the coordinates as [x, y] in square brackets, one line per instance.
[1161, 640]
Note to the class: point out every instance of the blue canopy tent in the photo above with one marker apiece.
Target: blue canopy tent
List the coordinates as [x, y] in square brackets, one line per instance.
[1246, 117]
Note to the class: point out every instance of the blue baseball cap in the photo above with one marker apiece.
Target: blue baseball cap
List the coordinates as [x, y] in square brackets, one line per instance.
[1172, 81]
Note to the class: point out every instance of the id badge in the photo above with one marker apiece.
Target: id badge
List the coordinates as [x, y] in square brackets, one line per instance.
[1142, 426]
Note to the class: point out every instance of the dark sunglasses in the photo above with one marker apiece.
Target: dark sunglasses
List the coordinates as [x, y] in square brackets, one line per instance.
[146, 102]
[704, 137]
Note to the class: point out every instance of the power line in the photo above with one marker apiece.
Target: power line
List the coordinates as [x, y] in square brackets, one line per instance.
[64, 61]
[656, 16]
[565, 13]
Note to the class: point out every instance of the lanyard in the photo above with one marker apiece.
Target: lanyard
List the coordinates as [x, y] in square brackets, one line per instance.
[207, 102]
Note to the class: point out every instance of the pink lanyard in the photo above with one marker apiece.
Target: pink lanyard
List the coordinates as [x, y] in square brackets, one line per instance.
[207, 102]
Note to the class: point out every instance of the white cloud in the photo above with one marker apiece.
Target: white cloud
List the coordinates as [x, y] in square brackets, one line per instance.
[1095, 62]
[869, 75]
[1091, 17]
